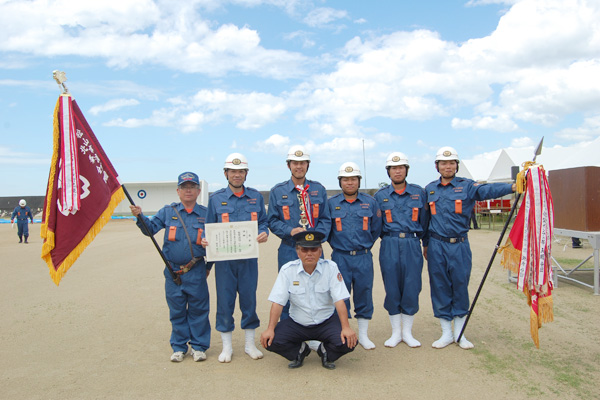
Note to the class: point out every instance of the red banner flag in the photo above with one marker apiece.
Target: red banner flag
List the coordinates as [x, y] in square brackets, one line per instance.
[528, 248]
[83, 190]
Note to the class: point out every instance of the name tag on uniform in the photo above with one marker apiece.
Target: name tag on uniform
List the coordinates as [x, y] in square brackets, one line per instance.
[296, 283]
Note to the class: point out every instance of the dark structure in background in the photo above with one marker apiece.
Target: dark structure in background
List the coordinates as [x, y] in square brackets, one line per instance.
[576, 196]
[8, 204]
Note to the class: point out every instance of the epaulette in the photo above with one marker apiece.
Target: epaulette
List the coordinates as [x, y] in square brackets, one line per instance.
[217, 192]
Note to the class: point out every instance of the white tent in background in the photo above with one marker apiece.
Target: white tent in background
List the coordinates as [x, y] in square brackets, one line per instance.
[496, 166]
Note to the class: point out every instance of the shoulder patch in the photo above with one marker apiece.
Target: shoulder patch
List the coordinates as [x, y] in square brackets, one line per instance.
[340, 277]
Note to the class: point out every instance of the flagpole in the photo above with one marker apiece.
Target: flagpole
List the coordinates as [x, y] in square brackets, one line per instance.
[537, 152]
[176, 278]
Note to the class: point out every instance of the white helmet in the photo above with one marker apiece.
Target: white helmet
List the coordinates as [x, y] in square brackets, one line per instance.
[348, 169]
[297, 153]
[236, 161]
[396, 158]
[22, 203]
[446, 153]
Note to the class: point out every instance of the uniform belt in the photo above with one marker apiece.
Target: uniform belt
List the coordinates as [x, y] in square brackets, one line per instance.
[447, 239]
[354, 252]
[184, 269]
[401, 235]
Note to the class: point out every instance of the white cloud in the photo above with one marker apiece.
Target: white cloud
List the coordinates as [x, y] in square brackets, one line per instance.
[10, 157]
[250, 110]
[178, 38]
[486, 2]
[522, 142]
[500, 123]
[274, 144]
[320, 17]
[538, 66]
[589, 130]
[112, 105]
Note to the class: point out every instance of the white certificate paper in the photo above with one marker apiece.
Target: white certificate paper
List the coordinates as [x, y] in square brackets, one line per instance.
[231, 240]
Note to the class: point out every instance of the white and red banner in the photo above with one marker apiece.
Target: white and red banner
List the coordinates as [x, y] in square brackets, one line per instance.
[83, 190]
[528, 248]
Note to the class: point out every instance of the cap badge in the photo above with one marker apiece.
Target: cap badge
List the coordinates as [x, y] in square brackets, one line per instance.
[447, 153]
[298, 153]
[236, 161]
[309, 237]
[395, 159]
[349, 169]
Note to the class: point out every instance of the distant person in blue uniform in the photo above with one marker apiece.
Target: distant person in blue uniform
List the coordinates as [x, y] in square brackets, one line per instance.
[316, 292]
[451, 200]
[297, 205]
[189, 302]
[405, 217]
[233, 203]
[355, 226]
[22, 213]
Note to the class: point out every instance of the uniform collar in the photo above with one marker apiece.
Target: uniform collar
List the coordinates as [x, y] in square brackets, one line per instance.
[230, 193]
[408, 189]
[300, 268]
[291, 187]
[359, 198]
[181, 207]
[451, 183]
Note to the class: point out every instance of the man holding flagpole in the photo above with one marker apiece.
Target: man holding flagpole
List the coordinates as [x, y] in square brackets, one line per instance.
[188, 302]
[448, 255]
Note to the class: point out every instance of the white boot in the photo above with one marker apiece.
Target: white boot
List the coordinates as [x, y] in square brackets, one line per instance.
[227, 352]
[396, 337]
[446, 337]
[458, 325]
[407, 337]
[363, 338]
[251, 349]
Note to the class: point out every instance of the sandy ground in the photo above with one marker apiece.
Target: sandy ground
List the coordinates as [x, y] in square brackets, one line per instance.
[103, 334]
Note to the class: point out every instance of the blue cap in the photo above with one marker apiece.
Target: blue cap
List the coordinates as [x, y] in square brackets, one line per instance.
[188, 177]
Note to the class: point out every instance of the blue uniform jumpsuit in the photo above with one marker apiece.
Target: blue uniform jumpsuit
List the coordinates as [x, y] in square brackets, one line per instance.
[405, 219]
[284, 215]
[22, 214]
[354, 229]
[312, 312]
[449, 253]
[189, 302]
[237, 276]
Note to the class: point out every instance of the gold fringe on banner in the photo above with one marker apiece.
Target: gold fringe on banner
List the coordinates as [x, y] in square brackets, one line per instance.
[534, 326]
[511, 257]
[57, 274]
[546, 309]
[52, 176]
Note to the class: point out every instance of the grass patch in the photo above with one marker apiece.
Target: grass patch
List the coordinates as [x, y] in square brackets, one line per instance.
[573, 262]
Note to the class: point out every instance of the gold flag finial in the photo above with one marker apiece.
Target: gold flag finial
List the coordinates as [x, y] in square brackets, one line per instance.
[60, 77]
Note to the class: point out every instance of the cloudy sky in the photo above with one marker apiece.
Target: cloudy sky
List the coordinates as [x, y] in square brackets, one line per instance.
[175, 85]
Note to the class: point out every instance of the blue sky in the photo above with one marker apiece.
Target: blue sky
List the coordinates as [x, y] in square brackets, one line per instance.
[174, 85]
